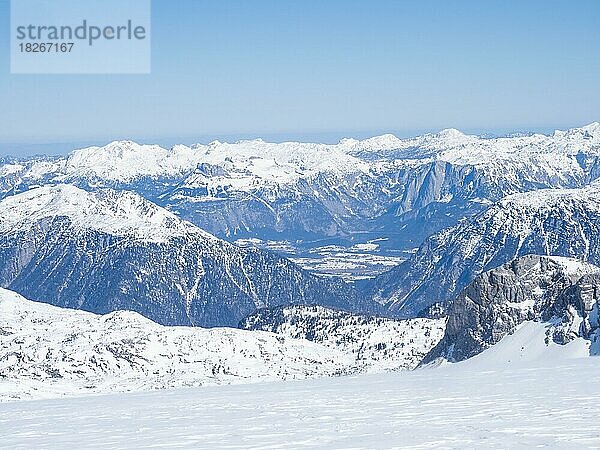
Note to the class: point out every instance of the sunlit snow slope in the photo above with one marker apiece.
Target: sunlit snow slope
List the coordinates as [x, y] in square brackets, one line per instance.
[552, 403]
[46, 351]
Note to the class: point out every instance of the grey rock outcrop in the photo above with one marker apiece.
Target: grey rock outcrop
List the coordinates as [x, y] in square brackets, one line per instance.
[554, 289]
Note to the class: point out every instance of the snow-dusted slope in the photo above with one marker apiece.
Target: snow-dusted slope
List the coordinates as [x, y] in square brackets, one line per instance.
[46, 351]
[106, 211]
[106, 250]
[530, 345]
[563, 222]
[395, 344]
[51, 351]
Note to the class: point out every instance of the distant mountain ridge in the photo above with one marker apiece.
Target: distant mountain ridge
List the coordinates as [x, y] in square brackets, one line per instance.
[296, 190]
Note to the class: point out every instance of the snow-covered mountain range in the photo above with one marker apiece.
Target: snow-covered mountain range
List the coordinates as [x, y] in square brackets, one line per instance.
[386, 187]
[109, 250]
[486, 237]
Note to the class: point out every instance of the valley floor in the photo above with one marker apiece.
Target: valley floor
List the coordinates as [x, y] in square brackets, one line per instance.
[553, 403]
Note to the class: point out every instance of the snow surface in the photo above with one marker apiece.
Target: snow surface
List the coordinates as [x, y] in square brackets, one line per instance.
[528, 347]
[547, 199]
[117, 213]
[47, 351]
[539, 401]
[574, 267]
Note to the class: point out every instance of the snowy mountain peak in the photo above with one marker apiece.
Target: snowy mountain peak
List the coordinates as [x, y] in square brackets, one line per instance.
[593, 127]
[587, 133]
[253, 163]
[123, 161]
[112, 212]
[451, 133]
[378, 143]
[348, 142]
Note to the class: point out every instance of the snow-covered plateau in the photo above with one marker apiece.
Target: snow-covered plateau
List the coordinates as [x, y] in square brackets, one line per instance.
[47, 351]
[519, 394]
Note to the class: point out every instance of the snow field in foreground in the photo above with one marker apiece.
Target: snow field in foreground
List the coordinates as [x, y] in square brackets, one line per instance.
[452, 406]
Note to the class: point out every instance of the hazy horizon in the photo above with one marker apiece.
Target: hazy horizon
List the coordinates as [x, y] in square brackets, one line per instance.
[28, 149]
[295, 69]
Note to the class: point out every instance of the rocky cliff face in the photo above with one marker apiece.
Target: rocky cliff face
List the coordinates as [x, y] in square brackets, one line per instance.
[578, 311]
[545, 222]
[561, 291]
[108, 250]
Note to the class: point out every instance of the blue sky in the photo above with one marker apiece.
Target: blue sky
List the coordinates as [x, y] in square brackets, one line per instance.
[308, 69]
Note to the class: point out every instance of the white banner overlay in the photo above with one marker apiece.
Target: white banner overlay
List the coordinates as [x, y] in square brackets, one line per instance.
[80, 36]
